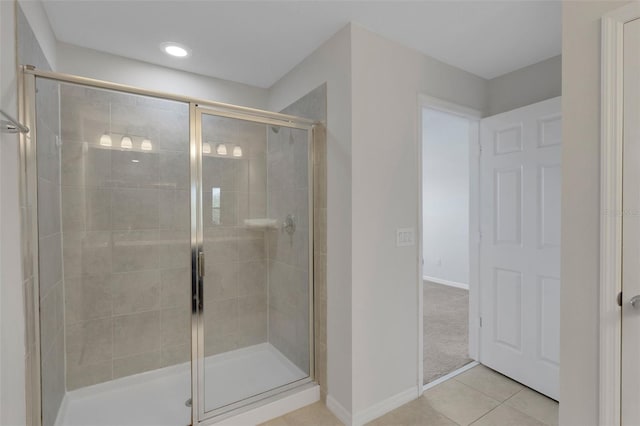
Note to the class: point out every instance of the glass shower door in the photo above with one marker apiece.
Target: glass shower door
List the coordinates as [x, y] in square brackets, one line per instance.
[254, 232]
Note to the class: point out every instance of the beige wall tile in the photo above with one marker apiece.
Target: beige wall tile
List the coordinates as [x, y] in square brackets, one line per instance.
[85, 165]
[252, 278]
[87, 297]
[87, 375]
[134, 209]
[88, 343]
[173, 355]
[136, 292]
[174, 250]
[221, 244]
[135, 251]
[87, 253]
[175, 326]
[136, 333]
[221, 280]
[49, 207]
[221, 318]
[50, 260]
[174, 170]
[175, 287]
[143, 173]
[174, 212]
[136, 364]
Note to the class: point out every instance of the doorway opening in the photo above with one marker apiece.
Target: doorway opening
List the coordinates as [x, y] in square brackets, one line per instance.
[447, 143]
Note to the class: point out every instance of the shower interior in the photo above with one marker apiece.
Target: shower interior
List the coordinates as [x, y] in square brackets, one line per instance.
[118, 214]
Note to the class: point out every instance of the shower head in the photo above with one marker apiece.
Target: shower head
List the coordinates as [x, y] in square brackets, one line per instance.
[275, 129]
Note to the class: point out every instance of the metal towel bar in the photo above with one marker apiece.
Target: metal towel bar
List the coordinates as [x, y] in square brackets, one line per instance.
[11, 125]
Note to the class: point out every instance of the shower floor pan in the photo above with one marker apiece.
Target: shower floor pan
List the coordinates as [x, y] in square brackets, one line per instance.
[157, 398]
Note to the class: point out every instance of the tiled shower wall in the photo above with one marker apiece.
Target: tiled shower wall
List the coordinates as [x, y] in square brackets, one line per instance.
[49, 258]
[235, 292]
[125, 222]
[50, 252]
[288, 254]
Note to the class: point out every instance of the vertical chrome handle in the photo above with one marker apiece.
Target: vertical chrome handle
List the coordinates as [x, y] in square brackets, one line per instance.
[635, 301]
[201, 264]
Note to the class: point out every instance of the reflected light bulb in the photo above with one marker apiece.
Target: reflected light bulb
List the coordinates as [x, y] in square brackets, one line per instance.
[237, 151]
[221, 149]
[105, 140]
[126, 142]
[146, 145]
[206, 148]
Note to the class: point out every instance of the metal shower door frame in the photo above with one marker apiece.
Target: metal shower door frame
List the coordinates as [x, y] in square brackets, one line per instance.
[197, 107]
[198, 256]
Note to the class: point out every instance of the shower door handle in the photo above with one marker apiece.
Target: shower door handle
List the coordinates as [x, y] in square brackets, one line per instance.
[201, 264]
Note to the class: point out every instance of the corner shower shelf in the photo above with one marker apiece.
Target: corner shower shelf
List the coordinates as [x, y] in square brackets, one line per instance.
[263, 223]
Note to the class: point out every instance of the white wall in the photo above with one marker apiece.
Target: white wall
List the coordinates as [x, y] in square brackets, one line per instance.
[445, 196]
[104, 66]
[39, 22]
[525, 86]
[387, 79]
[580, 210]
[12, 342]
[331, 63]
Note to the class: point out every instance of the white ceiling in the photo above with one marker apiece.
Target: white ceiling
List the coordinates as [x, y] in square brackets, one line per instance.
[257, 42]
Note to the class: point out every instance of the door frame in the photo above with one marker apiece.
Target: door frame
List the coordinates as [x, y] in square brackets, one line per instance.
[474, 116]
[200, 414]
[611, 214]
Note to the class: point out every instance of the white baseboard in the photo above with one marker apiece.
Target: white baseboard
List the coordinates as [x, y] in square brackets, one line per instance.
[383, 407]
[446, 282]
[339, 411]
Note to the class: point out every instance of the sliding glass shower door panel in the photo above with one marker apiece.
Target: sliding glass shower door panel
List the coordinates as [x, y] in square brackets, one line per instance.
[255, 316]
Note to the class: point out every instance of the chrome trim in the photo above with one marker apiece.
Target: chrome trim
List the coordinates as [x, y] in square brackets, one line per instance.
[295, 387]
[312, 258]
[84, 81]
[199, 248]
[251, 402]
[30, 243]
[248, 403]
[284, 121]
[195, 299]
[12, 125]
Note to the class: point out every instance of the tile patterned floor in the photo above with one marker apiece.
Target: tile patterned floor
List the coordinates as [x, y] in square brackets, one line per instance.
[478, 397]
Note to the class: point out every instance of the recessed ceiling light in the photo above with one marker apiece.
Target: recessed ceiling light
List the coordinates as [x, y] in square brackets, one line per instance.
[174, 49]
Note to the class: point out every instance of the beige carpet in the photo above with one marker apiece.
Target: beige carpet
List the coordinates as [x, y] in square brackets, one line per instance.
[446, 330]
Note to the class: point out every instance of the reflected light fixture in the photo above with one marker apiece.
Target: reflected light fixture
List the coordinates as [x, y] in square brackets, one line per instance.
[221, 149]
[175, 49]
[237, 151]
[206, 148]
[126, 142]
[105, 140]
[146, 145]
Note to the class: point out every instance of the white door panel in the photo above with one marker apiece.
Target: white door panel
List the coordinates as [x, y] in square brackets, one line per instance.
[520, 186]
[631, 227]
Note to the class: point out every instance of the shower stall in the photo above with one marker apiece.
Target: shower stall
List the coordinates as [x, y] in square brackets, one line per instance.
[173, 241]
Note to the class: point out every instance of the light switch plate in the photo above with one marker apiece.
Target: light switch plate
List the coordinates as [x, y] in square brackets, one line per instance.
[405, 237]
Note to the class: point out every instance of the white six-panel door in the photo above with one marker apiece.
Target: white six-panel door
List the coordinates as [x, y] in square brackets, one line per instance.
[520, 186]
